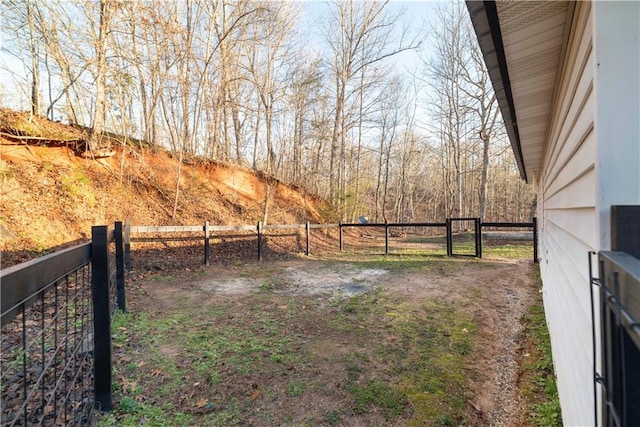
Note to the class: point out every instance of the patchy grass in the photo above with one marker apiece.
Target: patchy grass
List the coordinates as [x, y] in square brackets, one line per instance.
[184, 360]
[409, 261]
[464, 244]
[375, 358]
[539, 382]
[523, 250]
[78, 185]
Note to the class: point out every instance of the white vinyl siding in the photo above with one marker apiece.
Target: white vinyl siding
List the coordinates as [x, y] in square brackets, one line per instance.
[617, 92]
[568, 217]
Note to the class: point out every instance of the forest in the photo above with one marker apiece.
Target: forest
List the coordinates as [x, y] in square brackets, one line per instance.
[246, 82]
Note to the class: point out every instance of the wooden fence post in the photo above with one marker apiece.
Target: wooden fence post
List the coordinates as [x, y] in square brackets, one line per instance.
[101, 317]
[127, 244]
[340, 233]
[120, 285]
[308, 237]
[386, 237]
[207, 248]
[259, 240]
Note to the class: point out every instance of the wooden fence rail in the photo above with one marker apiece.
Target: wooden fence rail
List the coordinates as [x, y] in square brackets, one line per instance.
[206, 229]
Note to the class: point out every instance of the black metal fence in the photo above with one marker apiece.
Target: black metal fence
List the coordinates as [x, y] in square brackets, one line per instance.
[56, 337]
[615, 319]
[618, 294]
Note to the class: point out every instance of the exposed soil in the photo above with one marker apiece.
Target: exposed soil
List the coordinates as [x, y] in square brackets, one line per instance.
[497, 294]
[50, 197]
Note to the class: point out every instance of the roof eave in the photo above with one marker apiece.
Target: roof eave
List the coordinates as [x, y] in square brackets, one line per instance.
[484, 15]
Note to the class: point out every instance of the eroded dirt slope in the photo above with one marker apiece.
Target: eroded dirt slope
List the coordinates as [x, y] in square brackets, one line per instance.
[50, 196]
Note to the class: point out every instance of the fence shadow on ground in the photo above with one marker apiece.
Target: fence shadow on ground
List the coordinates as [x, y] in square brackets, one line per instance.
[179, 251]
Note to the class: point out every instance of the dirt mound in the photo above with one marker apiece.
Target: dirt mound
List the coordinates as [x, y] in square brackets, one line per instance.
[51, 197]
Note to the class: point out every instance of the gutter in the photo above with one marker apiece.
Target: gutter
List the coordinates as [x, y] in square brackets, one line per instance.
[484, 16]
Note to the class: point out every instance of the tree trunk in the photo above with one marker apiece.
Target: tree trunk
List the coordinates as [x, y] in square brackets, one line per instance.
[334, 161]
[486, 142]
[101, 94]
[35, 66]
[267, 197]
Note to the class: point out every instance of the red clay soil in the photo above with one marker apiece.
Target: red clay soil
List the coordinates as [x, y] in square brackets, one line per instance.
[51, 197]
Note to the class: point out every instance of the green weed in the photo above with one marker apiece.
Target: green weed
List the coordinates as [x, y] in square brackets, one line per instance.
[296, 388]
[332, 418]
[78, 186]
[390, 400]
[540, 383]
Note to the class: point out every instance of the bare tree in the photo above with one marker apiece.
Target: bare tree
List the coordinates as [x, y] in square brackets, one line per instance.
[465, 106]
[450, 105]
[266, 67]
[485, 107]
[359, 34]
[107, 11]
[305, 89]
[20, 17]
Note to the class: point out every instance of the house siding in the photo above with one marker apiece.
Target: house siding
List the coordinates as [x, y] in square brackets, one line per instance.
[617, 92]
[568, 226]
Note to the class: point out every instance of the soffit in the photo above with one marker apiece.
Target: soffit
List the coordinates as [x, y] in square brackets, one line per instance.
[533, 36]
[523, 44]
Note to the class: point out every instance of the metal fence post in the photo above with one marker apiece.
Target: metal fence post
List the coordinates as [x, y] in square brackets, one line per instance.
[449, 237]
[478, 236]
[340, 234]
[605, 345]
[101, 321]
[386, 237]
[207, 248]
[535, 239]
[127, 244]
[308, 237]
[120, 285]
[259, 240]
[625, 229]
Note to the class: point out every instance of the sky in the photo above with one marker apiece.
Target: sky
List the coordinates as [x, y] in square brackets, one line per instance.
[417, 14]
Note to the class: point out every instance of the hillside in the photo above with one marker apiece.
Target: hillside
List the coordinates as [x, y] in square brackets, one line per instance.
[51, 195]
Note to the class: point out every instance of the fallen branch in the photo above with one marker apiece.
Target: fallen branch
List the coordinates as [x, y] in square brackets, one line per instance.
[38, 138]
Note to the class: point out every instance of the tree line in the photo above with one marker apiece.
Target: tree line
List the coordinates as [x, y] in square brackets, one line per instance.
[238, 81]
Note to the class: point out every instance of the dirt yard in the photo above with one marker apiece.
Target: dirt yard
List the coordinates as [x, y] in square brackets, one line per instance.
[351, 341]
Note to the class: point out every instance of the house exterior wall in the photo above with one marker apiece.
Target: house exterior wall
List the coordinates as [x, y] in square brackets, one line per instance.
[568, 220]
[617, 47]
[591, 161]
